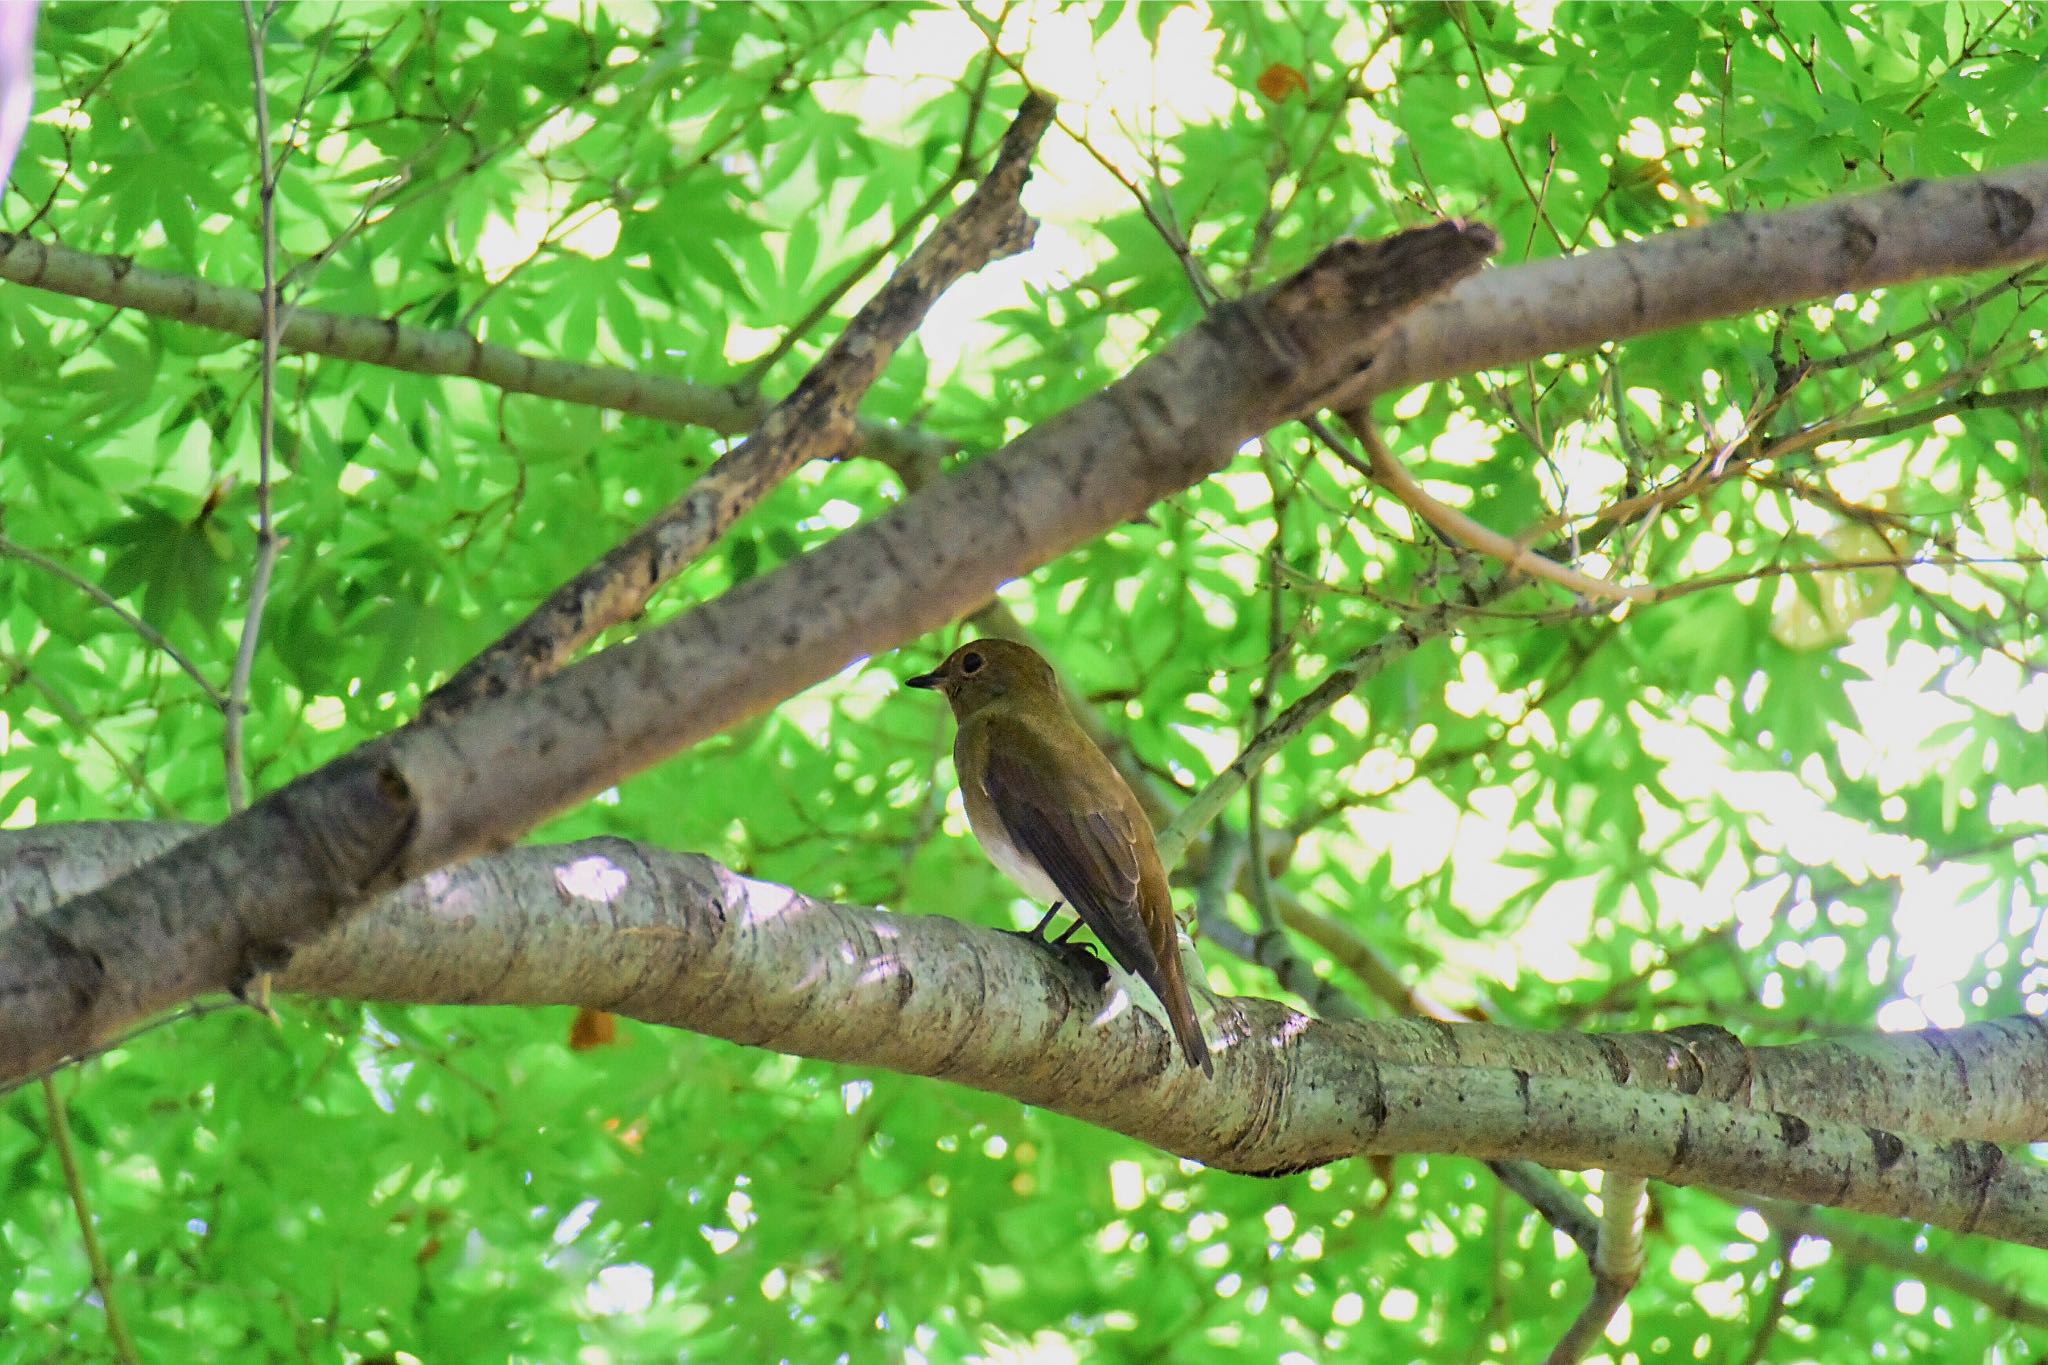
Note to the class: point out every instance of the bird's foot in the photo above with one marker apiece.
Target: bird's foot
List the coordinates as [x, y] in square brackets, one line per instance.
[1077, 955]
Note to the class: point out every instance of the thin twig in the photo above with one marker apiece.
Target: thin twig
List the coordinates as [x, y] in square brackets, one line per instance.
[1890, 341]
[1617, 1262]
[150, 634]
[1772, 1310]
[756, 374]
[72, 715]
[74, 1182]
[1199, 283]
[1428, 624]
[1973, 401]
[2009, 1299]
[1469, 534]
[267, 543]
[1459, 17]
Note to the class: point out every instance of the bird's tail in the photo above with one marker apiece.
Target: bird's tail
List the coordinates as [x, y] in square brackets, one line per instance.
[1172, 990]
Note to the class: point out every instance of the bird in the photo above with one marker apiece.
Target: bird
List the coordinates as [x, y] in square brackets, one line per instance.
[1056, 818]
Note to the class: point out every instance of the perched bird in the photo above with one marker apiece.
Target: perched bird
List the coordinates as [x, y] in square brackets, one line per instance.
[1053, 814]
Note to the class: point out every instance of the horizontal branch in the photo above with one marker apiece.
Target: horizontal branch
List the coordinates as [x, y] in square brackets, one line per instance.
[677, 939]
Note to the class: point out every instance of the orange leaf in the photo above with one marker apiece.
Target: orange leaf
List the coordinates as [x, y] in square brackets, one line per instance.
[1280, 80]
[592, 1028]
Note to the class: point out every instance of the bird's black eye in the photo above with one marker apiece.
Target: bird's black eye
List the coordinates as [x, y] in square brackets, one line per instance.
[970, 663]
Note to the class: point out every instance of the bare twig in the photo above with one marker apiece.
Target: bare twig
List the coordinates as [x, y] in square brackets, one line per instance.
[1479, 71]
[74, 1182]
[1890, 341]
[1465, 532]
[1969, 402]
[150, 634]
[1772, 1310]
[1617, 1262]
[19, 671]
[2009, 1298]
[267, 543]
[1428, 624]
[751, 380]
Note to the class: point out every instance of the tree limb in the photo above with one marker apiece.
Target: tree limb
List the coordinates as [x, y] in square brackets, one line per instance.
[1741, 263]
[677, 939]
[293, 864]
[287, 869]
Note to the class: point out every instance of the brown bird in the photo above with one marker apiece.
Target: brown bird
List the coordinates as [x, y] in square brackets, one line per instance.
[1053, 814]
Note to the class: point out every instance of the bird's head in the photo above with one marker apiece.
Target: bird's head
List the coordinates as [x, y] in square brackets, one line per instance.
[985, 671]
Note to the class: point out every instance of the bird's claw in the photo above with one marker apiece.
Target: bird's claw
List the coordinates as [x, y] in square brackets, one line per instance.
[1077, 955]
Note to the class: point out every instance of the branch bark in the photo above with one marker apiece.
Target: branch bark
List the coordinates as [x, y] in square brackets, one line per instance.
[677, 939]
[1742, 263]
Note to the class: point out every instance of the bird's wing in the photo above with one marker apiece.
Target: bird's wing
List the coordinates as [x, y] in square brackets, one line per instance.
[1088, 851]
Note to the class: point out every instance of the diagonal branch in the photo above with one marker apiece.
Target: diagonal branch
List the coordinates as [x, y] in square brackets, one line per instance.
[296, 862]
[815, 422]
[1464, 531]
[1739, 264]
[1404, 639]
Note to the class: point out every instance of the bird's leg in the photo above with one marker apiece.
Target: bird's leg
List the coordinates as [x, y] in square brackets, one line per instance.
[1079, 954]
[1039, 932]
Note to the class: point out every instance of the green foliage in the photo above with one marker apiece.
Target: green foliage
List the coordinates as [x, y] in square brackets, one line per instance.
[1715, 808]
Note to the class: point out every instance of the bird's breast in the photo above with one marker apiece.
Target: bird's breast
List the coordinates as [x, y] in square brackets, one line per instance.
[1011, 861]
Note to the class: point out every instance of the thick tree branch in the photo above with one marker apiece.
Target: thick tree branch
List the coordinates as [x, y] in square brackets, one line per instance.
[1739, 264]
[816, 422]
[432, 794]
[676, 939]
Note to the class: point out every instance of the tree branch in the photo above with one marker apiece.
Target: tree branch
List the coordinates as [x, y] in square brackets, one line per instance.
[1742, 263]
[677, 939]
[294, 863]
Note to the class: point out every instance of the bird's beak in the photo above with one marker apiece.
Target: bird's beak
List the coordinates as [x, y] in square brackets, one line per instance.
[932, 680]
